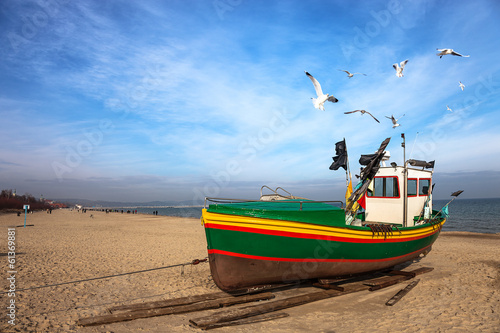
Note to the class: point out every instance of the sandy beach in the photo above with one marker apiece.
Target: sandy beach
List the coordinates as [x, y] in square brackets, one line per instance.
[461, 294]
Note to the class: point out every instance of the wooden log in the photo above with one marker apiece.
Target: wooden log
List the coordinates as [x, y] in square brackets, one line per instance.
[404, 273]
[251, 320]
[197, 298]
[260, 288]
[272, 306]
[329, 281]
[210, 304]
[389, 283]
[394, 299]
[168, 302]
[328, 286]
[384, 280]
[423, 270]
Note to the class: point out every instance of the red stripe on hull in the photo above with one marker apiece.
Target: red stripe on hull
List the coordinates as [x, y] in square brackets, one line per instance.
[313, 236]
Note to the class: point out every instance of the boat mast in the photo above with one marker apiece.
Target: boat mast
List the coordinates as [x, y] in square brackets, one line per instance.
[405, 181]
[348, 170]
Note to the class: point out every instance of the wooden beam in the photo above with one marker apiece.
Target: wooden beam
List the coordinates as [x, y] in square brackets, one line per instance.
[404, 273]
[237, 316]
[197, 298]
[394, 299]
[386, 281]
[261, 288]
[423, 270]
[169, 302]
[329, 281]
[255, 310]
[328, 286]
[251, 320]
[210, 304]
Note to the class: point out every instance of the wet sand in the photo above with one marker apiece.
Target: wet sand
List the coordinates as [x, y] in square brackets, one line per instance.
[461, 294]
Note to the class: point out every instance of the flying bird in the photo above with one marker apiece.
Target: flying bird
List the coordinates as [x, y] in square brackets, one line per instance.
[363, 112]
[394, 120]
[462, 86]
[399, 68]
[350, 74]
[448, 108]
[322, 98]
[443, 52]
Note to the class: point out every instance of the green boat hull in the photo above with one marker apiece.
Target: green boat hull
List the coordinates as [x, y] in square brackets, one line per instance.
[255, 246]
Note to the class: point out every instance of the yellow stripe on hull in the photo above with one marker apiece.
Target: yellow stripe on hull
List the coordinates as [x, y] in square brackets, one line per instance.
[312, 229]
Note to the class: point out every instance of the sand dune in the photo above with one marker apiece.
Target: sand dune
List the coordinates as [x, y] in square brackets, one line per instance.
[462, 294]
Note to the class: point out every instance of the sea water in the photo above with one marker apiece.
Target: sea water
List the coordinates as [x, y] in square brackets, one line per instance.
[474, 215]
[194, 212]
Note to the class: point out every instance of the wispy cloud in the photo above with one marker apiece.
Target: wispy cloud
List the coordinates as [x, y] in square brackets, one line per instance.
[166, 92]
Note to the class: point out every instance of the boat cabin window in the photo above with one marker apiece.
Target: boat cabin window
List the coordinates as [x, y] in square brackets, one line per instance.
[423, 186]
[385, 187]
[412, 187]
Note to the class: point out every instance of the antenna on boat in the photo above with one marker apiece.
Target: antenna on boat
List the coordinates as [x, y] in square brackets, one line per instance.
[405, 181]
[348, 170]
[411, 152]
[445, 207]
[404, 148]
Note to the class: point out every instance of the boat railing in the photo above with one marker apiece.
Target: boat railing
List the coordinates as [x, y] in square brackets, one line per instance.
[276, 191]
[275, 202]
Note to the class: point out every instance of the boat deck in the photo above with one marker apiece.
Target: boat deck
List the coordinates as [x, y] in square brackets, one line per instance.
[316, 212]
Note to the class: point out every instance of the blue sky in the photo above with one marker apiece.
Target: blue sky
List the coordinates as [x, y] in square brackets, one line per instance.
[177, 100]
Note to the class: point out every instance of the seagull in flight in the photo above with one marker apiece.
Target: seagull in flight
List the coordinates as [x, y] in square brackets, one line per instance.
[350, 74]
[448, 108]
[363, 112]
[462, 86]
[399, 68]
[322, 98]
[394, 120]
[443, 52]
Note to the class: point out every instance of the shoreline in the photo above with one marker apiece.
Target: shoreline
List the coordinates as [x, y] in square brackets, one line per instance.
[461, 293]
[6, 213]
[470, 234]
[116, 207]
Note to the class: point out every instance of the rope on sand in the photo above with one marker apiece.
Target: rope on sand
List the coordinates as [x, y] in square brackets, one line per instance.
[194, 262]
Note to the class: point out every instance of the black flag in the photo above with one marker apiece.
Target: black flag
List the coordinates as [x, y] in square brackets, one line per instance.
[367, 173]
[366, 159]
[341, 159]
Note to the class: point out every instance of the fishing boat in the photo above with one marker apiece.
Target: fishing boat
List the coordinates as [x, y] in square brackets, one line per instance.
[386, 220]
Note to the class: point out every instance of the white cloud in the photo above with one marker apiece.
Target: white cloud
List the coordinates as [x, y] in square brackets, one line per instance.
[187, 99]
